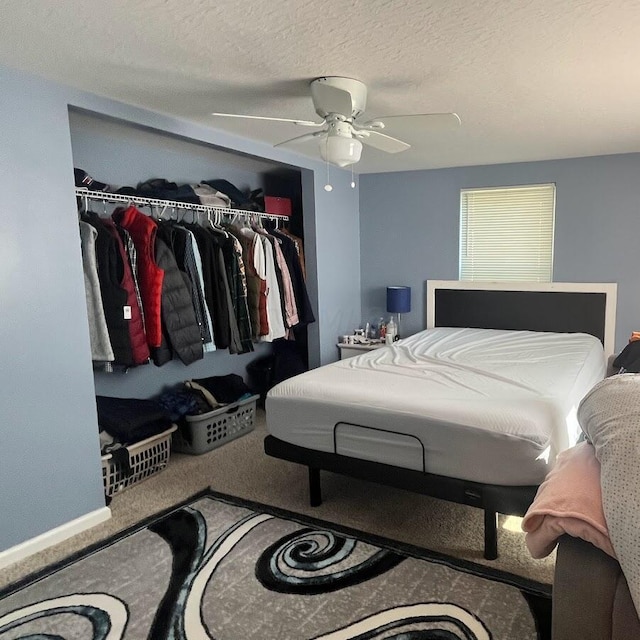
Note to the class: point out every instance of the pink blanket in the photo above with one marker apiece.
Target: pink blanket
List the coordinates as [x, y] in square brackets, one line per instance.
[568, 501]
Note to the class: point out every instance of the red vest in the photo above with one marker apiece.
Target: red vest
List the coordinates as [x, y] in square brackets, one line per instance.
[137, 335]
[150, 276]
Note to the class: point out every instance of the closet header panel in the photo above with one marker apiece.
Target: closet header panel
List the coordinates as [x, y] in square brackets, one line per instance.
[124, 154]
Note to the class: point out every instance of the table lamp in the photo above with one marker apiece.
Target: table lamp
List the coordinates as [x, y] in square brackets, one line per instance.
[399, 301]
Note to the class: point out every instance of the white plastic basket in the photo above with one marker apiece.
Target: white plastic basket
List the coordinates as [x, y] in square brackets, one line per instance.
[205, 432]
[146, 458]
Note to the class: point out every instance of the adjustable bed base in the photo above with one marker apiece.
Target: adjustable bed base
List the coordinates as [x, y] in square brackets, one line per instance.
[493, 499]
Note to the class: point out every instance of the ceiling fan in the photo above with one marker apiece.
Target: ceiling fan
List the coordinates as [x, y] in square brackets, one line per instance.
[340, 102]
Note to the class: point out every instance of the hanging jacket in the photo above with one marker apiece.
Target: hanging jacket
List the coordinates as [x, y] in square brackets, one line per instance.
[132, 255]
[178, 239]
[101, 350]
[193, 258]
[215, 294]
[232, 253]
[256, 283]
[143, 232]
[178, 316]
[137, 335]
[290, 308]
[219, 238]
[114, 297]
[290, 253]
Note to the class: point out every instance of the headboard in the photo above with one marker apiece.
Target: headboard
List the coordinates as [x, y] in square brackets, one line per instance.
[563, 307]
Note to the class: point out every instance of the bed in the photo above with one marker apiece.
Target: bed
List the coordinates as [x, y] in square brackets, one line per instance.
[450, 412]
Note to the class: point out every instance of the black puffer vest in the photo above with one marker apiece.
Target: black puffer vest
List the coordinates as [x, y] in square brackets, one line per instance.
[178, 317]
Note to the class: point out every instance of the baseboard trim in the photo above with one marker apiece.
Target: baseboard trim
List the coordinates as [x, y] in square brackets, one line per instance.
[54, 536]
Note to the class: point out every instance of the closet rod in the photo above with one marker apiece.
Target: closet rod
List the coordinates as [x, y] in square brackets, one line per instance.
[105, 196]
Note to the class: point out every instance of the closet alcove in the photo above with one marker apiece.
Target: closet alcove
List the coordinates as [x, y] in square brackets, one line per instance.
[121, 153]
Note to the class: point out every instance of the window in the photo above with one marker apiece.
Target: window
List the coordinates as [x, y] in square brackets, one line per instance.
[506, 233]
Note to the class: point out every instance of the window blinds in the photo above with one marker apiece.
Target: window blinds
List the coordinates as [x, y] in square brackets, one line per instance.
[507, 233]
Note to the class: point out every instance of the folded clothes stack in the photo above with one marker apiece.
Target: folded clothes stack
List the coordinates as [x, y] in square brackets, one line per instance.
[130, 420]
[213, 193]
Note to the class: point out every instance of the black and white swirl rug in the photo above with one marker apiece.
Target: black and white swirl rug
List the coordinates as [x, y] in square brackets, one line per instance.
[222, 568]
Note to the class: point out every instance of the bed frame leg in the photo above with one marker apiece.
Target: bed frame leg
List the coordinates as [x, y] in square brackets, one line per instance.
[315, 491]
[490, 534]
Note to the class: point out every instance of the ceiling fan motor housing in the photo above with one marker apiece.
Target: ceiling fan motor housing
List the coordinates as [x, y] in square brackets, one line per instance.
[339, 127]
[356, 89]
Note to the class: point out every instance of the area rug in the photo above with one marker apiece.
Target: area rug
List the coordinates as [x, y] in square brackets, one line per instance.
[223, 568]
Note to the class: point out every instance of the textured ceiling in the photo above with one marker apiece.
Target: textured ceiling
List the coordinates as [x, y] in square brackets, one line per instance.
[531, 80]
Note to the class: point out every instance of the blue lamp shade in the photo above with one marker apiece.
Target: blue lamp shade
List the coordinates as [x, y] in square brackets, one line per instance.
[398, 299]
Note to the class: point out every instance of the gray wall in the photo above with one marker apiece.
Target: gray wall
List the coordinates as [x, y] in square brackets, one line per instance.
[49, 452]
[336, 253]
[49, 449]
[409, 225]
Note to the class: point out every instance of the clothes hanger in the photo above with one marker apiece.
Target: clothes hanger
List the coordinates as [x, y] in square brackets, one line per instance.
[83, 206]
[220, 222]
[184, 213]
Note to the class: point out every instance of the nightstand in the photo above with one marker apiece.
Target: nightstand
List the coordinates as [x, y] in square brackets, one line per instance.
[350, 350]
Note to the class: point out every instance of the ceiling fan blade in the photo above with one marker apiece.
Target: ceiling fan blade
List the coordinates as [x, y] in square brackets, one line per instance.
[303, 138]
[331, 99]
[304, 123]
[383, 142]
[423, 121]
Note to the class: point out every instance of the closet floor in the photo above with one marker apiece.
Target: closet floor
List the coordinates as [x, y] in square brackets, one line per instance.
[241, 468]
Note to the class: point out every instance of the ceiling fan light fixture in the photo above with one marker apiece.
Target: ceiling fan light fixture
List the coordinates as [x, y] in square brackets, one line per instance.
[340, 150]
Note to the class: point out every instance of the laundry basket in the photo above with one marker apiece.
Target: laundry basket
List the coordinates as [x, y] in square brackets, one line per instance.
[146, 458]
[207, 431]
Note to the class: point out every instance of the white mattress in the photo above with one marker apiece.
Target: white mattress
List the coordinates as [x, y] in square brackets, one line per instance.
[484, 405]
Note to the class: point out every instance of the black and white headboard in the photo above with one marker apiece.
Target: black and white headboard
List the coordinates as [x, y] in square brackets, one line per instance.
[563, 307]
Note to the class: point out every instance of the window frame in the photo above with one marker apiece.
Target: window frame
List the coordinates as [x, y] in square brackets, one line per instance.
[464, 230]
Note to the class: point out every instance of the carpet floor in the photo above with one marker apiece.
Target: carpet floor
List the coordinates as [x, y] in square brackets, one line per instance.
[221, 567]
[240, 468]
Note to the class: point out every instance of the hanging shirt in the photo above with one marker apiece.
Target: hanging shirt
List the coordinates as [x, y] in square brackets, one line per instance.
[290, 309]
[303, 304]
[274, 309]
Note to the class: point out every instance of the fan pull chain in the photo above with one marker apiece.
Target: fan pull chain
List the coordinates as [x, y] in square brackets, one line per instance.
[327, 187]
[353, 182]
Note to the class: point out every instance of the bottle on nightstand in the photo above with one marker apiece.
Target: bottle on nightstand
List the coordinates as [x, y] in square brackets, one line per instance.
[390, 334]
[382, 329]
